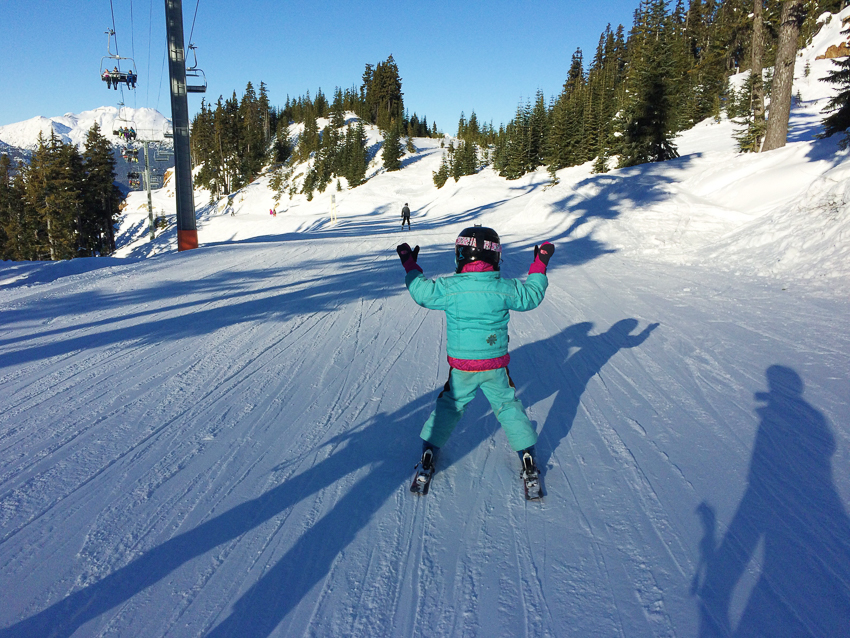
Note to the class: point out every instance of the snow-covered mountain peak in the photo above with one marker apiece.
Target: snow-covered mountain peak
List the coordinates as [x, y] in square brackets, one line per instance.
[73, 127]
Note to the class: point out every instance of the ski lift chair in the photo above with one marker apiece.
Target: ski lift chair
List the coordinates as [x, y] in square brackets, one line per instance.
[115, 76]
[122, 121]
[196, 79]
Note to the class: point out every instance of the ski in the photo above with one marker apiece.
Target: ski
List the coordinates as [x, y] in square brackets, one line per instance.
[531, 479]
[424, 473]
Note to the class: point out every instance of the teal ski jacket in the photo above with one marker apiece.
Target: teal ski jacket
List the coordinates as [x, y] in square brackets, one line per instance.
[477, 306]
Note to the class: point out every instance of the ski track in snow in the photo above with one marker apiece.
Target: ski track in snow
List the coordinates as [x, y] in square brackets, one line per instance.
[220, 442]
[306, 419]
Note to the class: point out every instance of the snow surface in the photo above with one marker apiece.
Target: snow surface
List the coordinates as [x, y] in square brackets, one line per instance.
[219, 442]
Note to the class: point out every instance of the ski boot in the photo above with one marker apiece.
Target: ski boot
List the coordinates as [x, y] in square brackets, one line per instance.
[424, 470]
[530, 475]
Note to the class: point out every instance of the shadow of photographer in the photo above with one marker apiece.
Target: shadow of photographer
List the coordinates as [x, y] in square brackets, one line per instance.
[792, 507]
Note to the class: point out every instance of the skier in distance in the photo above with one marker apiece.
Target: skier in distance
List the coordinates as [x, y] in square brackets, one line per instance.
[405, 216]
[477, 302]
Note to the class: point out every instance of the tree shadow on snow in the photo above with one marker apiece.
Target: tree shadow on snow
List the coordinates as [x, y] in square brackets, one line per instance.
[199, 306]
[379, 453]
[382, 450]
[606, 195]
[384, 220]
[791, 508]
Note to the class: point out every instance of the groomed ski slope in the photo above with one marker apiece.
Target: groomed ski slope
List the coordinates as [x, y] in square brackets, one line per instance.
[220, 442]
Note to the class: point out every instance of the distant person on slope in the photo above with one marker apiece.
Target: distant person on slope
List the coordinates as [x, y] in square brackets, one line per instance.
[405, 216]
[477, 303]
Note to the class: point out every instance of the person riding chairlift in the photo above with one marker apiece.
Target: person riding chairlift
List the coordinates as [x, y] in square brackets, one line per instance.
[107, 78]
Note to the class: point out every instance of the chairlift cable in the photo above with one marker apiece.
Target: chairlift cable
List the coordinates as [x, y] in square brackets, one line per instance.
[161, 73]
[132, 32]
[132, 45]
[192, 30]
[114, 32]
[150, 42]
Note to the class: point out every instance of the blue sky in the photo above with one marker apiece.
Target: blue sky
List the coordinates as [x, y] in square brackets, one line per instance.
[453, 56]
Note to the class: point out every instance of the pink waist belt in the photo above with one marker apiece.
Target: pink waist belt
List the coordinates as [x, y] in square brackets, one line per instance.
[479, 365]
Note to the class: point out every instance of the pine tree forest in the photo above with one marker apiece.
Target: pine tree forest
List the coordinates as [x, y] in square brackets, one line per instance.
[625, 107]
[63, 204]
[236, 139]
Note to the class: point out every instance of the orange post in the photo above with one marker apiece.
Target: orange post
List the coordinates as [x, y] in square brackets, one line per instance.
[187, 239]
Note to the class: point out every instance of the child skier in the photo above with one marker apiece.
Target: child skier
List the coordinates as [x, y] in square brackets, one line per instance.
[477, 302]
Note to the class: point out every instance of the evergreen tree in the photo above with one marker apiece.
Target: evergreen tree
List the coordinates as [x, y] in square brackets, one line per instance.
[310, 140]
[102, 196]
[648, 117]
[337, 110]
[250, 137]
[16, 217]
[356, 159]
[281, 146]
[11, 213]
[266, 113]
[566, 134]
[381, 95]
[393, 151]
[538, 129]
[464, 160]
[473, 130]
[53, 193]
[839, 105]
[516, 147]
[757, 123]
[441, 176]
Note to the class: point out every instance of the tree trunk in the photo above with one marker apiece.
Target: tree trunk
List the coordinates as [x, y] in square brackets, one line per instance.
[793, 13]
[757, 66]
[50, 238]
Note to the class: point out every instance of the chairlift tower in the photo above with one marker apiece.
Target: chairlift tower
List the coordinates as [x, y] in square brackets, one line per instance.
[146, 143]
[158, 156]
[187, 231]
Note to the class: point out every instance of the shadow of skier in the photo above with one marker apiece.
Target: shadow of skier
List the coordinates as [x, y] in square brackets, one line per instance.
[383, 447]
[575, 357]
[792, 506]
[380, 453]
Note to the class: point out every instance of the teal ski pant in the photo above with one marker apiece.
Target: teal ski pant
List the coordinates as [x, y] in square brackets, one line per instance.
[460, 389]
